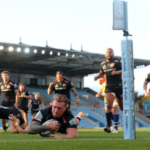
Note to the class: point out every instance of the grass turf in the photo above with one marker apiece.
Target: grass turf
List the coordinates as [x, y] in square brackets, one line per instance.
[89, 139]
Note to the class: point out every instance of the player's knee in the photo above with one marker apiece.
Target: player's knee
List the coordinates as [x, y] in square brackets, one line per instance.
[108, 107]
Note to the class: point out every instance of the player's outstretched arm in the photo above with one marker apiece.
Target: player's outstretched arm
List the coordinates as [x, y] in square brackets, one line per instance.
[35, 127]
[71, 133]
[75, 94]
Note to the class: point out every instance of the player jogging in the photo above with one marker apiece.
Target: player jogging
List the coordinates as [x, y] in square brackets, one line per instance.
[63, 86]
[112, 69]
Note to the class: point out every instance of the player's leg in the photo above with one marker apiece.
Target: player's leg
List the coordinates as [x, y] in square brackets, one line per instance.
[110, 99]
[26, 114]
[3, 121]
[26, 117]
[115, 116]
[4, 125]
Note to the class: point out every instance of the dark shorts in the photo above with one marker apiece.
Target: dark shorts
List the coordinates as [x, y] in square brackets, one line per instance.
[116, 90]
[34, 111]
[25, 109]
[8, 103]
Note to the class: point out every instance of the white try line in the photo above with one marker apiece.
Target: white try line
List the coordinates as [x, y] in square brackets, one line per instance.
[81, 139]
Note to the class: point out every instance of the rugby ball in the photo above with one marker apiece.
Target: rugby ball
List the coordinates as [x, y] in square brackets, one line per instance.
[48, 132]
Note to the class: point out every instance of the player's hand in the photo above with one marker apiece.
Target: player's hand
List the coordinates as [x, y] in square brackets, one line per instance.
[56, 136]
[51, 84]
[114, 72]
[146, 94]
[22, 95]
[97, 95]
[12, 117]
[78, 102]
[15, 105]
[95, 78]
[52, 127]
[28, 111]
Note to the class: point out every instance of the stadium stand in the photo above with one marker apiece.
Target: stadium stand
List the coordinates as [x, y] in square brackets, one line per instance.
[94, 117]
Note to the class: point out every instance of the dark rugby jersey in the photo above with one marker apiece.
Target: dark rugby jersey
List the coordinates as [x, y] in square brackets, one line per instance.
[23, 102]
[148, 78]
[63, 87]
[66, 121]
[35, 104]
[6, 111]
[107, 68]
[8, 89]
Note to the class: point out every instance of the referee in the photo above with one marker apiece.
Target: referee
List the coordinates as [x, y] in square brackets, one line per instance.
[62, 86]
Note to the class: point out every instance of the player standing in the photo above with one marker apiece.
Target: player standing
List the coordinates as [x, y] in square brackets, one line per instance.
[112, 69]
[35, 105]
[24, 95]
[11, 94]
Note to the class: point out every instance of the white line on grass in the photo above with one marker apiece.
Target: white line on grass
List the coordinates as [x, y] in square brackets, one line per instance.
[81, 139]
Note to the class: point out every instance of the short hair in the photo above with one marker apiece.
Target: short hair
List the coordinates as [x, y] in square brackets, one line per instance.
[61, 98]
[7, 72]
[59, 72]
[21, 84]
[110, 49]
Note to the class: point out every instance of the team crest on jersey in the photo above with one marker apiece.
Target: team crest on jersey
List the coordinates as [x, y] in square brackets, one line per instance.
[8, 86]
[56, 86]
[112, 65]
[64, 85]
[104, 67]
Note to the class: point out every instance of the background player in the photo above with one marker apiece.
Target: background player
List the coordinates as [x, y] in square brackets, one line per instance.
[115, 108]
[112, 68]
[11, 94]
[35, 105]
[24, 95]
[63, 86]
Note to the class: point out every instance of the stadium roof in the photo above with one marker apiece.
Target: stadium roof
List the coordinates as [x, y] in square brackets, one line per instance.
[23, 58]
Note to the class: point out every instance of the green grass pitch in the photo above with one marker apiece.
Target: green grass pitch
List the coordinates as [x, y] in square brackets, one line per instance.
[89, 139]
